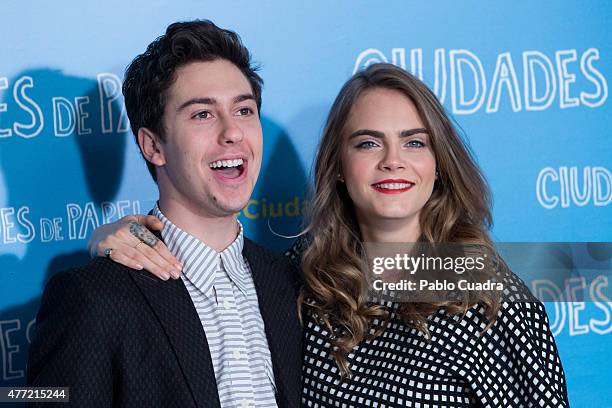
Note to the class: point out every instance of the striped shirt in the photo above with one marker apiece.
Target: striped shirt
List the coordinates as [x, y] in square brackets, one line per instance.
[223, 293]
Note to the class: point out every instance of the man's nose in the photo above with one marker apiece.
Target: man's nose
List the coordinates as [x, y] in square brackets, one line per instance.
[230, 132]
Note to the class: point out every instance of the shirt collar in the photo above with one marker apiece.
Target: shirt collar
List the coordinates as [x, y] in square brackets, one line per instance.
[201, 262]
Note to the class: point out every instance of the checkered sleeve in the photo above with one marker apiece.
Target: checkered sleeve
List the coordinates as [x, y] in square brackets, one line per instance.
[521, 366]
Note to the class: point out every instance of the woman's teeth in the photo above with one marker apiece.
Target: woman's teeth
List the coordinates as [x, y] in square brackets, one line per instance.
[393, 186]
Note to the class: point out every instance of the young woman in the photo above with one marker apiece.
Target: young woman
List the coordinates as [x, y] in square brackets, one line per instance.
[391, 169]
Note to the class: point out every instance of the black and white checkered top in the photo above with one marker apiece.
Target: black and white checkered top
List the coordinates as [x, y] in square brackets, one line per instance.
[514, 363]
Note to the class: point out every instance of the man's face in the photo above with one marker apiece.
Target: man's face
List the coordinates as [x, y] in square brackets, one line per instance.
[213, 139]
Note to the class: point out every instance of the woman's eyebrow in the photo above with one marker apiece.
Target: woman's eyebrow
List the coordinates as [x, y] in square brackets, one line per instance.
[410, 132]
[380, 135]
[367, 132]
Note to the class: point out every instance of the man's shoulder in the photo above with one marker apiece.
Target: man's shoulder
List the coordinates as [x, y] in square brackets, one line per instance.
[100, 279]
[97, 271]
[280, 262]
[253, 249]
[98, 297]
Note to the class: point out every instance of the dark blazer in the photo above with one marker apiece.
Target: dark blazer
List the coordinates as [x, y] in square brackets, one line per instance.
[124, 338]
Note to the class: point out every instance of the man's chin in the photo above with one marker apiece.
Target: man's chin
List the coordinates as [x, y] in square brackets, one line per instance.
[231, 201]
[233, 207]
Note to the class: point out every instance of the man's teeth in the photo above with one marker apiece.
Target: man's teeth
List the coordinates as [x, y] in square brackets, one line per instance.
[393, 186]
[226, 163]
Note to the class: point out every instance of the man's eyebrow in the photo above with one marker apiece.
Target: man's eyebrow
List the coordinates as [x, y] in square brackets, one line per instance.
[244, 97]
[194, 101]
[213, 101]
[379, 135]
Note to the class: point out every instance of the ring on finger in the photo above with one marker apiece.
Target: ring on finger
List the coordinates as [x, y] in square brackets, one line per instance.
[108, 252]
[141, 242]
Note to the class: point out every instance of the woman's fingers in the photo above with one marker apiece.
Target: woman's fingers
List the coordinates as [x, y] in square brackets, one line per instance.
[103, 236]
[159, 262]
[138, 256]
[172, 263]
[136, 247]
[153, 248]
[132, 258]
[142, 233]
[151, 222]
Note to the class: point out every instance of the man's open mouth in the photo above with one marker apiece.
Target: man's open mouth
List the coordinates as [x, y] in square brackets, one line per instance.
[230, 169]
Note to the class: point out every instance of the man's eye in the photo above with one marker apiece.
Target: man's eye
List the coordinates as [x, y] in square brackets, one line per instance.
[203, 115]
[245, 111]
[368, 144]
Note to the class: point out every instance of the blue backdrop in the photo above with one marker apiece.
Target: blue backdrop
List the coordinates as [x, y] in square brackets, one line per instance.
[528, 82]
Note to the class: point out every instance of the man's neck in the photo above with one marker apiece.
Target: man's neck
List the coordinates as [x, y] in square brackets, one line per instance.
[216, 232]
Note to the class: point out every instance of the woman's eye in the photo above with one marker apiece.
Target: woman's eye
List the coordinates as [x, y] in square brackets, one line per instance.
[368, 144]
[415, 143]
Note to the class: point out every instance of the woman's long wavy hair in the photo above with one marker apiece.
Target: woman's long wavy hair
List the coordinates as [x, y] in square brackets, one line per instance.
[458, 211]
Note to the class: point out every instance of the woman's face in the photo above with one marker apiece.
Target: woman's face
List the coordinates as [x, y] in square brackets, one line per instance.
[387, 162]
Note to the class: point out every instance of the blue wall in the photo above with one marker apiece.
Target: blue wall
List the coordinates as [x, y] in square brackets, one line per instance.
[528, 82]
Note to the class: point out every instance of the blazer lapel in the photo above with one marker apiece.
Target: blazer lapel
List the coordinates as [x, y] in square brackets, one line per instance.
[172, 304]
[277, 304]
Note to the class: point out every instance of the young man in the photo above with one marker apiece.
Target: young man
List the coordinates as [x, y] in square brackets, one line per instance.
[216, 337]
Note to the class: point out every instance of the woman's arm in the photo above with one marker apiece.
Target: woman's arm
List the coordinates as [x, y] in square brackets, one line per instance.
[135, 246]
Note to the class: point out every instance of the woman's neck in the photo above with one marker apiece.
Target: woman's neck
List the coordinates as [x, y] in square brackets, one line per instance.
[390, 230]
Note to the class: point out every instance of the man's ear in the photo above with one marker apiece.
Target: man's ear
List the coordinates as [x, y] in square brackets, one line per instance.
[151, 147]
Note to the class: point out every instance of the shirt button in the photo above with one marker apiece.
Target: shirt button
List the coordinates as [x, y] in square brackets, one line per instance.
[237, 354]
[227, 304]
[245, 404]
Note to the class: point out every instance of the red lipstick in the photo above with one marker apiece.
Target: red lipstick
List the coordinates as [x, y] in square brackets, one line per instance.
[392, 186]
